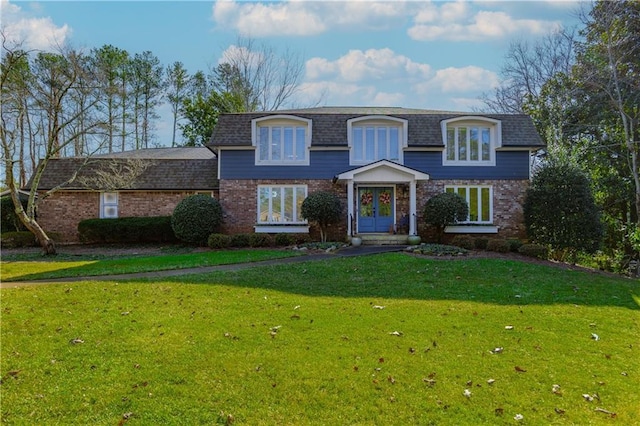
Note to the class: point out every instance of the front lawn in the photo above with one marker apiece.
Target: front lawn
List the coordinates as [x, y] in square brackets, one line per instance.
[385, 339]
[77, 266]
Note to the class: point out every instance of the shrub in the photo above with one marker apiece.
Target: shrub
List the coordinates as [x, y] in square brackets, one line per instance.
[260, 240]
[514, 244]
[464, 241]
[534, 250]
[498, 245]
[285, 239]
[126, 230]
[8, 219]
[445, 209]
[481, 243]
[437, 250]
[17, 239]
[559, 210]
[323, 208]
[195, 218]
[240, 240]
[218, 241]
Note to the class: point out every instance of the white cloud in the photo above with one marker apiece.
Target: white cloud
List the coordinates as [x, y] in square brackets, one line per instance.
[29, 32]
[306, 18]
[460, 80]
[454, 21]
[371, 64]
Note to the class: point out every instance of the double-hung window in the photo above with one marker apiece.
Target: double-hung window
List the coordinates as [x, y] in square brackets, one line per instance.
[375, 138]
[281, 204]
[480, 201]
[108, 205]
[282, 141]
[471, 141]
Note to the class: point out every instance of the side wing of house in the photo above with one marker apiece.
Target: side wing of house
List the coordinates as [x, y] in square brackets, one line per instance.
[384, 163]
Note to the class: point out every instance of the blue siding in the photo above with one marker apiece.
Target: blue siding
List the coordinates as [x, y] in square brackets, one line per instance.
[323, 165]
[327, 164]
[509, 165]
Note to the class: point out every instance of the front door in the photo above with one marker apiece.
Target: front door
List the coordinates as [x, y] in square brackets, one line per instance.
[375, 209]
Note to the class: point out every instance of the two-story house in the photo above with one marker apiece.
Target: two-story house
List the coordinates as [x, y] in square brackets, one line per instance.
[385, 163]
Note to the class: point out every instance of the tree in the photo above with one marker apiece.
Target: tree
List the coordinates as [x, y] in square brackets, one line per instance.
[323, 208]
[264, 79]
[147, 87]
[201, 115]
[56, 82]
[177, 90]
[559, 210]
[445, 209]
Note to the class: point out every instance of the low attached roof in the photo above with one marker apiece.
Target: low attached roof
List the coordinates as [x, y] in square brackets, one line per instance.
[330, 126]
[160, 169]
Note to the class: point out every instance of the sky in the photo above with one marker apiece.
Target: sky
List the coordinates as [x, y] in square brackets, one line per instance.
[415, 54]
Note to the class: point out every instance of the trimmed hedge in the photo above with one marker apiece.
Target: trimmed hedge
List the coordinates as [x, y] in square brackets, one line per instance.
[464, 241]
[127, 230]
[534, 250]
[17, 239]
[260, 240]
[499, 245]
[218, 241]
[195, 218]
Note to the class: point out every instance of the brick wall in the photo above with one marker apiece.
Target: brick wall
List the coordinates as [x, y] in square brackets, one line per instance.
[508, 198]
[239, 199]
[62, 212]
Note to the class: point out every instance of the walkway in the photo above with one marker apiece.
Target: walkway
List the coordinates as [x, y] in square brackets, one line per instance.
[344, 252]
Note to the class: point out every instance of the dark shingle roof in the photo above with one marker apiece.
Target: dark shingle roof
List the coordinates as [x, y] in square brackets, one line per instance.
[166, 170]
[330, 126]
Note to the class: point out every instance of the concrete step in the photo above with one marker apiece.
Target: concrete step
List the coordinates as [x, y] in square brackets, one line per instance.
[383, 239]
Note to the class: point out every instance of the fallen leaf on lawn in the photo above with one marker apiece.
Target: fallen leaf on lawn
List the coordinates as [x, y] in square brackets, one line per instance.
[396, 333]
[391, 380]
[520, 369]
[491, 381]
[296, 307]
[467, 393]
[497, 350]
[76, 341]
[602, 410]
[518, 417]
[587, 397]
[508, 327]
[430, 382]
[559, 411]
[499, 411]
[125, 313]
[556, 389]
[595, 337]
[378, 307]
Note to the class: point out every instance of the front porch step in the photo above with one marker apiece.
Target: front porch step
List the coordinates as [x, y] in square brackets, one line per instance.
[383, 239]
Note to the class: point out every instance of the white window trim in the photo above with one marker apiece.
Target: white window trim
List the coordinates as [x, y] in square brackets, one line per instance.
[280, 120]
[104, 204]
[495, 131]
[480, 223]
[270, 224]
[377, 121]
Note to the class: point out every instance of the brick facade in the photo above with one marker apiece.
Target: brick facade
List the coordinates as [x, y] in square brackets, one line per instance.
[62, 212]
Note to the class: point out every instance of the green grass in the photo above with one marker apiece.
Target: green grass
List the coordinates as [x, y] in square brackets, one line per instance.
[305, 344]
[88, 266]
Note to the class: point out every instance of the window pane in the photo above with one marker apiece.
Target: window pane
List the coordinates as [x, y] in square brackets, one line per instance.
[394, 145]
[462, 144]
[264, 194]
[301, 151]
[370, 144]
[288, 204]
[276, 204]
[473, 143]
[276, 135]
[288, 144]
[382, 143]
[473, 204]
[357, 144]
[451, 144]
[486, 204]
[449, 189]
[264, 143]
[486, 144]
[301, 194]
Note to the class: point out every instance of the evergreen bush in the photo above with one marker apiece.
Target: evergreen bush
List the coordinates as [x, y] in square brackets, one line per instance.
[195, 218]
[218, 241]
[127, 230]
[534, 250]
[323, 208]
[17, 239]
[445, 209]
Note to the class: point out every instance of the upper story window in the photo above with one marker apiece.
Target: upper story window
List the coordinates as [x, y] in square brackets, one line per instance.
[376, 138]
[281, 140]
[470, 141]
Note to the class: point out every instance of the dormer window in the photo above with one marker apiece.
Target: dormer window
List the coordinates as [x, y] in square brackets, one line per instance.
[281, 140]
[376, 138]
[470, 141]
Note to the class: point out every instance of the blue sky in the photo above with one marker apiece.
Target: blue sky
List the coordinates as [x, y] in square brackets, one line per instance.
[414, 54]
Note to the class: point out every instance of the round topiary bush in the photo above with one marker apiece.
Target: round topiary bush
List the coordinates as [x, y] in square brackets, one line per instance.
[445, 209]
[195, 218]
[323, 208]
